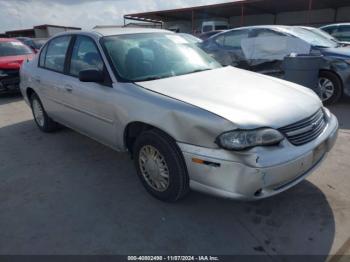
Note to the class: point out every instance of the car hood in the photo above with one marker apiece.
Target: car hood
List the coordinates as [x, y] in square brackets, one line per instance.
[343, 52]
[13, 62]
[247, 99]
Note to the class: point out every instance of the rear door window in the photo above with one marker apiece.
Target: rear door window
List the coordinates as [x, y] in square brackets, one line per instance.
[220, 40]
[330, 30]
[56, 53]
[233, 40]
[265, 33]
[342, 33]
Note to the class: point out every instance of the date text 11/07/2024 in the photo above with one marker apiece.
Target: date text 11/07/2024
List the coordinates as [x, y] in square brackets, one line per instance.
[173, 258]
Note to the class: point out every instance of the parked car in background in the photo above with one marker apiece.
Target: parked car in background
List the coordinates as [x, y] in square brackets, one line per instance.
[12, 55]
[34, 43]
[205, 36]
[187, 121]
[339, 31]
[324, 34]
[262, 49]
[191, 39]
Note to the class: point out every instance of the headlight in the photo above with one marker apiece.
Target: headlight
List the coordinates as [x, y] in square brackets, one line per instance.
[243, 139]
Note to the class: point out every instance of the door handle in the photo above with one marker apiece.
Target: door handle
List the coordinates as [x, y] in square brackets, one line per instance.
[68, 88]
[37, 79]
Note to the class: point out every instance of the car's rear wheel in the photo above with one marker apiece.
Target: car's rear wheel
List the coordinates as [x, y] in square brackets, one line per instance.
[43, 121]
[330, 88]
[160, 166]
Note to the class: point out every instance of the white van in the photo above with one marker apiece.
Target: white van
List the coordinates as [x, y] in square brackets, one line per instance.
[214, 25]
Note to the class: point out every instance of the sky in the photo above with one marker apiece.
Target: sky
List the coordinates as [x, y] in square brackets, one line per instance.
[24, 14]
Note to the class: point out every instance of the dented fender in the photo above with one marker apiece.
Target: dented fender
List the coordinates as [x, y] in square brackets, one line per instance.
[183, 122]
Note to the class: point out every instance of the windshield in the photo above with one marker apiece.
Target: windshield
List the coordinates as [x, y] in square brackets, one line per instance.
[313, 38]
[14, 49]
[142, 57]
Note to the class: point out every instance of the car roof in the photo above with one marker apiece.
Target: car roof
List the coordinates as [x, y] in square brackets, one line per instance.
[272, 27]
[101, 32]
[314, 29]
[123, 31]
[308, 27]
[339, 24]
[265, 27]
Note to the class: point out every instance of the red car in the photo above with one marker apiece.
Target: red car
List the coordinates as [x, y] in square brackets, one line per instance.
[12, 54]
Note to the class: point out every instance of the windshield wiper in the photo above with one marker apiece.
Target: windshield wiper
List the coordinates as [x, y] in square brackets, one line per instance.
[197, 71]
[321, 46]
[200, 70]
[150, 78]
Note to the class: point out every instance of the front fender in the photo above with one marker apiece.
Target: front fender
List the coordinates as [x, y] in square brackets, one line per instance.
[184, 122]
[341, 68]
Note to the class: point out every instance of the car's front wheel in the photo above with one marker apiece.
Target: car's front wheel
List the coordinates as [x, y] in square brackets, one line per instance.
[330, 88]
[160, 166]
[43, 121]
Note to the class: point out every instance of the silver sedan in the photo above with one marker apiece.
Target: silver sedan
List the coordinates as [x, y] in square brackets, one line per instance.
[186, 121]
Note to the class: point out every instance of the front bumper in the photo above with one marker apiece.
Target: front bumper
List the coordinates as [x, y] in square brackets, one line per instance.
[10, 82]
[260, 172]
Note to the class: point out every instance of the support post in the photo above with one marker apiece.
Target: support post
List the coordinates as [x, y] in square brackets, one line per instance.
[193, 29]
[242, 14]
[335, 15]
[309, 12]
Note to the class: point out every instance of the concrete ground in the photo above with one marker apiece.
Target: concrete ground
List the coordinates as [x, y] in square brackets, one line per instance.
[64, 193]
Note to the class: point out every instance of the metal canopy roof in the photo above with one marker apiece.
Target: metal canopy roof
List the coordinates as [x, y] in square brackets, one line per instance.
[237, 8]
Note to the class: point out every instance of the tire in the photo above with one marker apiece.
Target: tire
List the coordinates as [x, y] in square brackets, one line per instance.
[330, 82]
[42, 120]
[166, 159]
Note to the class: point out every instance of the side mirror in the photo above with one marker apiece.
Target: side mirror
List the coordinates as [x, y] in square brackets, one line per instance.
[91, 76]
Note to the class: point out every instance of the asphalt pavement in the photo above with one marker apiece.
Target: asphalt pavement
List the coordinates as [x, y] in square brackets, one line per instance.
[64, 193]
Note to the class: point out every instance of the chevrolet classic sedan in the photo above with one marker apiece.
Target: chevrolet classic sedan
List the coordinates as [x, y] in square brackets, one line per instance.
[188, 122]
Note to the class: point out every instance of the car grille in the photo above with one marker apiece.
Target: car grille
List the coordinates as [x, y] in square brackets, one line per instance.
[10, 81]
[306, 130]
[11, 72]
